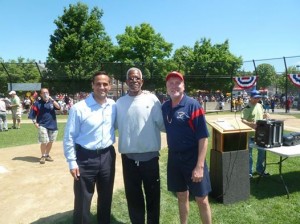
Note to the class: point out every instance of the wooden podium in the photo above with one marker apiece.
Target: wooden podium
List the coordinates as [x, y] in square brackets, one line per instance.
[229, 160]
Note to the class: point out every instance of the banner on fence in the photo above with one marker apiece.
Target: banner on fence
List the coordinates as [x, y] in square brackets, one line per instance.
[295, 79]
[245, 82]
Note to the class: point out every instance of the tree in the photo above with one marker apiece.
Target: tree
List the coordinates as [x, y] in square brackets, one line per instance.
[78, 44]
[182, 56]
[80, 36]
[208, 66]
[18, 71]
[266, 75]
[141, 46]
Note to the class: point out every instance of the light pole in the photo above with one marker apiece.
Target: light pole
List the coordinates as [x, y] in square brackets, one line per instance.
[298, 103]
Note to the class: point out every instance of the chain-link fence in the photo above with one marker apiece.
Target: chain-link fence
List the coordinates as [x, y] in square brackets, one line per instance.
[208, 79]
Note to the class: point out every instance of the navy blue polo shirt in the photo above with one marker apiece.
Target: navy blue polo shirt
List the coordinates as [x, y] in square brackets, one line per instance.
[44, 113]
[185, 124]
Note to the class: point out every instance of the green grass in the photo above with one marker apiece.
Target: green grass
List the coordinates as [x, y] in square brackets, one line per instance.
[25, 136]
[25, 117]
[267, 203]
[297, 115]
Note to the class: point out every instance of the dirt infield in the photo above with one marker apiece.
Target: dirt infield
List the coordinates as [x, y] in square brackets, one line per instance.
[31, 191]
[35, 193]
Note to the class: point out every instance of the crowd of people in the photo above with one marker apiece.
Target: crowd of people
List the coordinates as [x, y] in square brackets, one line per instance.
[269, 103]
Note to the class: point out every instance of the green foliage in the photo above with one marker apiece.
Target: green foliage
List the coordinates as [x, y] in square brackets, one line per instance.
[205, 63]
[142, 46]
[266, 75]
[80, 36]
[183, 55]
[79, 43]
[20, 71]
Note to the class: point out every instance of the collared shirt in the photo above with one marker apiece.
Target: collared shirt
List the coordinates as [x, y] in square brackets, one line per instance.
[253, 113]
[185, 124]
[90, 125]
[16, 102]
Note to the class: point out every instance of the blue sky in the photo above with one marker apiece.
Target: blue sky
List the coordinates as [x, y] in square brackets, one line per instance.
[256, 29]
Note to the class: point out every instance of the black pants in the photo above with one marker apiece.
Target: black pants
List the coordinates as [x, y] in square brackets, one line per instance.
[135, 175]
[96, 167]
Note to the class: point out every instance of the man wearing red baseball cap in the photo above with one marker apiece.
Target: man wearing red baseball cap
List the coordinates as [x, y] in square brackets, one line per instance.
[187, 138]
[176, 75]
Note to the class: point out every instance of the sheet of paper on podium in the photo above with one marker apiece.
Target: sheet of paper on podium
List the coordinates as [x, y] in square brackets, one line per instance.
[225, 125]
[231, 125]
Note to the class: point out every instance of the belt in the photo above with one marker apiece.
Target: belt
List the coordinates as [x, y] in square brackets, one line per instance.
[94, 151]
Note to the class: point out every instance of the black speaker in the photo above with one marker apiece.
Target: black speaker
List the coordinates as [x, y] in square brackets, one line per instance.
[291, 139]
[269, 133]
[229, 175]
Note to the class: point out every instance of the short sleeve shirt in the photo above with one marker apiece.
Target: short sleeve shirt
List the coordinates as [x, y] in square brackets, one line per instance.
[185, 124]
[44, 113]
[253, 113]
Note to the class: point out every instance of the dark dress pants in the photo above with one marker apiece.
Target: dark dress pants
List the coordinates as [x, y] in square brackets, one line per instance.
[96, 168]
[136, 175]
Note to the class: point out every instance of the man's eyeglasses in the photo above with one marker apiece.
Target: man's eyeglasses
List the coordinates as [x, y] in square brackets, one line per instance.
[134, 78]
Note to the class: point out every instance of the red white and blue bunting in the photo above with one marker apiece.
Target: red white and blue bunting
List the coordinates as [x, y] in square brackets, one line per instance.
[295, 79]
[245, 81]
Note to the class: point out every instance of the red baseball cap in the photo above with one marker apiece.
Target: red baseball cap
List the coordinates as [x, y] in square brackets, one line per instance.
[174, 74]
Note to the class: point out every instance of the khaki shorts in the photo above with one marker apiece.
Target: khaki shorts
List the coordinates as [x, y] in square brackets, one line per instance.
[46, 135]
[16, 114]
